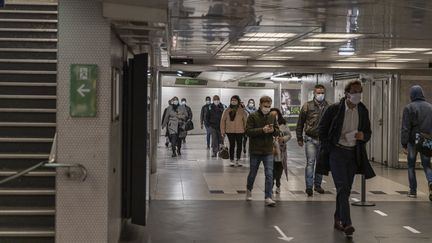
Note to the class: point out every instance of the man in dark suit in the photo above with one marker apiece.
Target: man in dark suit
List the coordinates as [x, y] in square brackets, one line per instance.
[344, 131]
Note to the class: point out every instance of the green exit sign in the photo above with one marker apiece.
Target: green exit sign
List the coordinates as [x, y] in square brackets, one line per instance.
[190, 81]
[251, 84]
[83, 90]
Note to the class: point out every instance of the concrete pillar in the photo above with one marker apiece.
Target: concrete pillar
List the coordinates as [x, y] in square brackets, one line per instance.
[87, 211]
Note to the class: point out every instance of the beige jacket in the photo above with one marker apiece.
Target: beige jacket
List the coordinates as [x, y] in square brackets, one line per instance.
[236, 126]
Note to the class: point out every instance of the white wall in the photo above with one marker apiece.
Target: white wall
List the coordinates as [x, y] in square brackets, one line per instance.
[196, 98]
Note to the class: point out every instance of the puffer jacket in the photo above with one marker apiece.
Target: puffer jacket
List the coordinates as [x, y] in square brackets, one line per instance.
[417, 117]
[238, 125]
[261, 143]
[309, 118]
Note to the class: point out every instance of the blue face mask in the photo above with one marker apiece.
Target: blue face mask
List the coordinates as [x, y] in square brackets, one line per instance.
[319, 97]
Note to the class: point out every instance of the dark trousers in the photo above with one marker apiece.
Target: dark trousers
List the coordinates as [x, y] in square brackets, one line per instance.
[245, 138]
[175, 142]
[277, 173]
[216, 139]
[343, 168]
[235, 139]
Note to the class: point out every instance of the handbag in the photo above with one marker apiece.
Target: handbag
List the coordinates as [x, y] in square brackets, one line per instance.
[424, 144]
[189, 125]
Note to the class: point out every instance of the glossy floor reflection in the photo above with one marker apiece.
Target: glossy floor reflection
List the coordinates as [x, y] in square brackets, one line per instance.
[196, 176]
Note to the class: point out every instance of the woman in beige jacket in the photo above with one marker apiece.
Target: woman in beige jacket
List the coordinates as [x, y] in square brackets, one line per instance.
[233, 124]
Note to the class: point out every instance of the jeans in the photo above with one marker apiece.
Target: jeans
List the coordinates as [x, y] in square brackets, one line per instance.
[343, 167]
[208, 132]
[312, 149]
[277, 173]
[216, 139]
[412, 158]
[175, 142]
[235, 139]
[255, 161]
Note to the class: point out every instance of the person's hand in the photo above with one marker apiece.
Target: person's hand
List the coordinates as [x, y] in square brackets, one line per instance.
[223, 135]
[405, 150]
[280, 139]
[359, 136]
[300, 143]
[268, 129]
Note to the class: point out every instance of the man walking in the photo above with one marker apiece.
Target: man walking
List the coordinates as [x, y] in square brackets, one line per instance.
[344, 131]
[204, 121]
[416, 119]
[189, 113]
[214, 116]
[261, 127]
[310, 116]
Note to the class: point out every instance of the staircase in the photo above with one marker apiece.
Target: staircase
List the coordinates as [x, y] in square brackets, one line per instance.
[28, 69]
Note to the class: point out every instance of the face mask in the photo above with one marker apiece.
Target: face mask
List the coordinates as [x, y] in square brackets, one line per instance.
[355, 98]
[208, 102]
[183, 102]
[251, 105]
[234, 103]
[175, 102]
[216, 102]
[319, 97]
[265, 110]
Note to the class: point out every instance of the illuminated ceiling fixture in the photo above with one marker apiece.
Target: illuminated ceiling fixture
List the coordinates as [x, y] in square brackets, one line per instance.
[357, 59]
[394, 52]
[346, 50]
[285, 79]
[337, 35]
[297, 50]
[232, 57]
[411, 49]
[305, 47]
[181, 72]
[382, 55]
[246, 49]
[275, 58]
[401, 60]
[324, 40]
[274, 35]
[428, 52]
[262, 39]
[248, 46]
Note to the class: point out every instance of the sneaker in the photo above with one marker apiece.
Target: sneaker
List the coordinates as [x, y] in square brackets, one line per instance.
[412, 194]
[278, 190]
[430, 191]
[166, 144]
[244, 150]
[309, 192]
[208, 146]
[214, 155]
[237, 164]
[248, 195]
[232, 163]
[178, 152]
[349, 230]
[269, 202]
[174, 155]
[319, 190]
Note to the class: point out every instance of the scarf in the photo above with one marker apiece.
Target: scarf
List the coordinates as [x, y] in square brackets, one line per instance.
[233, 112]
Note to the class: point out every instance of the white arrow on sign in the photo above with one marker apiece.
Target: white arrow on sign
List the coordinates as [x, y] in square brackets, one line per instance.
[81, 90]
[283, 235]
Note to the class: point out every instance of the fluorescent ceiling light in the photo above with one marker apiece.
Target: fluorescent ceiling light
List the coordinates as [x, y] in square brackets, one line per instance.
[285, 79]
[246, 49]
[180, 71]
[356, 59]
[394, 52]
[275, 58]
[401, 60]
[382, 55]
[248, 46]
[324, 40]
[178, 74]
[233, 57]
[305, 47]
[411, 49]
[337, 35]
[298, 50]
[262, 39]
[428, 52]
[264, 34]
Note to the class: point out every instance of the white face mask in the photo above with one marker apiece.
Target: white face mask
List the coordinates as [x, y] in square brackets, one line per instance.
[251, 105]
[216, 102]
[175, 102]
[265, 110]
[319, 97]
[234, 103]
[183, 102]
[354, 98]
[208, 102]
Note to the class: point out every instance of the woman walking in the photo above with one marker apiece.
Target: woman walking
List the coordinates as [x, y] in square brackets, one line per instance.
[233, 124]
[174, 121]
[280, 149]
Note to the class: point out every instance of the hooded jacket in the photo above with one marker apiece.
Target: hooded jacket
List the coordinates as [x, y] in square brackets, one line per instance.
[417, 117]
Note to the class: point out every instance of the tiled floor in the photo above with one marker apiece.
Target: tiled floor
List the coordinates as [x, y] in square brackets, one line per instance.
[196, 176]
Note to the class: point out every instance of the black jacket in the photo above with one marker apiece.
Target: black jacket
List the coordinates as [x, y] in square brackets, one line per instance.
[417, 117]
[189, 112]
[203, 117]
[330, 129]
[309, 118]
[214, 115]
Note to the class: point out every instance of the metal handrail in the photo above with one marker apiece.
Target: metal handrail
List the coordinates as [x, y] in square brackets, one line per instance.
[51, 163]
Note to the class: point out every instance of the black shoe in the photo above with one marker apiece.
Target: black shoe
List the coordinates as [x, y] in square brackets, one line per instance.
[309, 192]
[244, 150]
[319, 190]
[214, 155]
[349, 230]
[174, 155]
[413, 195]
[179, 152]
[338, 225]
[166, 145]
[208, 146]
[430, 191]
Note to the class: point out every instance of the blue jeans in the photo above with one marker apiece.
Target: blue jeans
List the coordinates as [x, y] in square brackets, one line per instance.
[312, 149]
[255, 161]
[343, 167]
[208, 133]
[412, 158]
